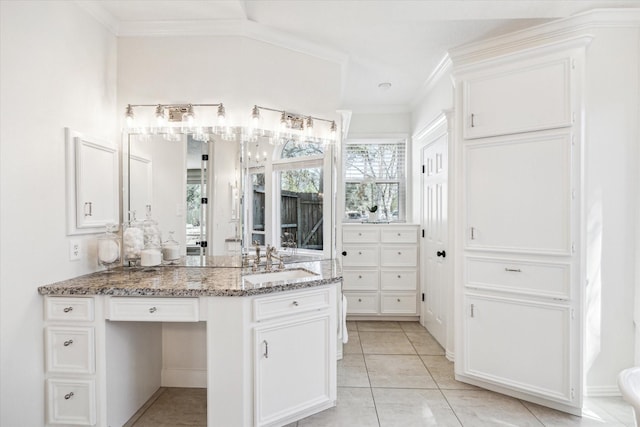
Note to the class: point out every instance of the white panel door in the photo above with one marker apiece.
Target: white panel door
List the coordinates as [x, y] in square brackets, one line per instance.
[532, 95]
[520, 343]
[435, 224]
[518, 194]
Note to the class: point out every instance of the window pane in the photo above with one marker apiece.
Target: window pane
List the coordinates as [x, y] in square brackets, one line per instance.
[359, 198]
[257, 217]
[293, 149]
[301, 206]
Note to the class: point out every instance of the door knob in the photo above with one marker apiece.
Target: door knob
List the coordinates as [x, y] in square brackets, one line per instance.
[344, 253]
[443, 254]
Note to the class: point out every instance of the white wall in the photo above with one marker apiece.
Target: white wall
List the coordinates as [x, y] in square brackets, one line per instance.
[611, 194]
[240, 73]
[57, 69]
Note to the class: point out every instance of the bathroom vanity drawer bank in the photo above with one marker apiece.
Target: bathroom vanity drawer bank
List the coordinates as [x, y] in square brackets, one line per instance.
[100, 329]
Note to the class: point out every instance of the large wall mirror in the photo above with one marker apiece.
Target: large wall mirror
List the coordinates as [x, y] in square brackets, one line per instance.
[257, 190]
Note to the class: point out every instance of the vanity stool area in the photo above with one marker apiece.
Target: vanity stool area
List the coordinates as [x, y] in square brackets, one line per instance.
[271, 346]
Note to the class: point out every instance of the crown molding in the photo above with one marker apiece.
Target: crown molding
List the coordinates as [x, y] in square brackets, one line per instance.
[101, 15]
[379, 109]
[443, 67]
[552, 33]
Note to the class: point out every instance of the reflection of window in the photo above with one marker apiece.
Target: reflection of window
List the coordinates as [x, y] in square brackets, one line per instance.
[374, 175]
[257, 206]
[194, 220]
[301, 206]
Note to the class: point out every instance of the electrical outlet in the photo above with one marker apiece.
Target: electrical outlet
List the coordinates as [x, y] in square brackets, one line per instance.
[75, 250]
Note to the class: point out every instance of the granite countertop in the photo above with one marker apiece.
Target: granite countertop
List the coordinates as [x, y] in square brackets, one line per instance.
[187, 281]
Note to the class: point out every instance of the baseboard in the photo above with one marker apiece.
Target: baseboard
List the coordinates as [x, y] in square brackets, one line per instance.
[193, 378]
[603, 391]
[450, 356]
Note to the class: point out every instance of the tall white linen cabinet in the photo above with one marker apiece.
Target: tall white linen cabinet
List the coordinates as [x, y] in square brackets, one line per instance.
[529, 161]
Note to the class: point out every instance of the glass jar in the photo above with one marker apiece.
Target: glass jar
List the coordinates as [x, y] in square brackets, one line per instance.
[132, 240]
[109, 247]
[170, 249]
[152, 253]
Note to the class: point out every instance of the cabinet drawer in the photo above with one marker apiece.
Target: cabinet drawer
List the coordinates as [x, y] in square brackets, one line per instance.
[398, 280]
[360, 280]
[360, 234]
[399, 256]
[67, 308]
[70, 350]
[362, 302]
[399, 235]
[71, 402]
[289, 304]
[360, 256]
[398, 303]
[153, 309]
[551, 280]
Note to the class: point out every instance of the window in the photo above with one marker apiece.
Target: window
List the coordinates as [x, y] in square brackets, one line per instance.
[375, 180]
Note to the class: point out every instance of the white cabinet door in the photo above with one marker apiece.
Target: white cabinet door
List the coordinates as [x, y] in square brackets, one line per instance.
[518, 194]
[294, 368]
[521, 344]
[527, 96]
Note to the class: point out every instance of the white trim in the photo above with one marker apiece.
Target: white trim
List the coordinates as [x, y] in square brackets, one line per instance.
[443, 67]
[438, 121]
[180, 377]
[603, 391]
[100, 14]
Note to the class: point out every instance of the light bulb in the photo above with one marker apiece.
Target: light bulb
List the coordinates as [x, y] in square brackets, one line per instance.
[160, 120]
[333, 130]
[189, 115]
[128, 115]
[283, 121]
[221, 115]
[255, 117]
[309, 126]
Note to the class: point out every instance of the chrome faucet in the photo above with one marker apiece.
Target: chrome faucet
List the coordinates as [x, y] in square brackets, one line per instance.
[270, 254]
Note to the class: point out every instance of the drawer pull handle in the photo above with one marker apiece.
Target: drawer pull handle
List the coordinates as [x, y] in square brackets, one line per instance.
[359, 253]
[68, 343]
[399, 277]
[473, 233]
[443, 254]
[399, 234]
[295, 303]
[359, 299]
[472, 124]
[68, 396]
[266, 349]
[398, 299]
[399, 253]
[359, 276]
[68, 309]
[359, 234]
[153, 310]
[513, 270]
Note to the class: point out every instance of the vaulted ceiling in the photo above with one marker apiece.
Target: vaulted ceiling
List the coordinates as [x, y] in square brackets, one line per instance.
[375, 41]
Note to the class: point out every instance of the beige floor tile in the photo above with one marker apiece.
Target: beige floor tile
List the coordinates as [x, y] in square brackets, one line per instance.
[424, 343]
[442, 372]
[385, 343]
[379, 326]
[353, 345]
[398, 371]
[352, 326]
[590, 418]
[352, 372]
[480, 408]
[355, 408]
[614, 406]
[412, 327]
[413, 407]
[177, 407]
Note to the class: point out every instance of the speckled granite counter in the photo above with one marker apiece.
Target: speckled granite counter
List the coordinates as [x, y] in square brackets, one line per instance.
[185, 281]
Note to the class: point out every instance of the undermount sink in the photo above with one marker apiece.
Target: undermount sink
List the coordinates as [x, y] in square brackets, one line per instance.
[298, 273]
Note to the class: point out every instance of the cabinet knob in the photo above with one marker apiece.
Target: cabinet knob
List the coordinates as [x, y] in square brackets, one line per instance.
[68, 309]
[68, 343]
[295, 303]
[359, 234]
[399, 253]
[399, 234]
[359, 276]
[398, 299]
[153, 310]
[359, 253]
[68, 396]
[399, 276]
[344, 253]
[359, 299]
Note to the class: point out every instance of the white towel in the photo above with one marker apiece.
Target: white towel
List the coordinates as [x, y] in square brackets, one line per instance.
[345, 334]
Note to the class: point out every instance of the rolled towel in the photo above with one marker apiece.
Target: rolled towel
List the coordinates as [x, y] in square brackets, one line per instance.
[345, 334]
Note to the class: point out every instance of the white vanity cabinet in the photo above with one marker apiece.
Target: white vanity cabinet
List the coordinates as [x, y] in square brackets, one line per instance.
[70, 337]
[294, 357]
[518, 309]
[380, 269]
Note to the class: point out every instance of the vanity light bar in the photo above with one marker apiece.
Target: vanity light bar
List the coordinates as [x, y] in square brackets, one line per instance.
[173, 112]
[293, 121]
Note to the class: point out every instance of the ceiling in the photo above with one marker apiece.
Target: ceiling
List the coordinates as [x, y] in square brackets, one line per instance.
[396, 41]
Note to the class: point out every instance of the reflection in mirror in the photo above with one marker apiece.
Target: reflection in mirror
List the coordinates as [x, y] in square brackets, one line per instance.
[191, 184]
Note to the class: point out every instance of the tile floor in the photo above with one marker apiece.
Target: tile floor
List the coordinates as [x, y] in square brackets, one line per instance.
[394, 374]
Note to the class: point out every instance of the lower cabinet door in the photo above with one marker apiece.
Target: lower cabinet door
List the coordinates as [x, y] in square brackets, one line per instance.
[71, 402]
[294, 369]
[523, 345]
